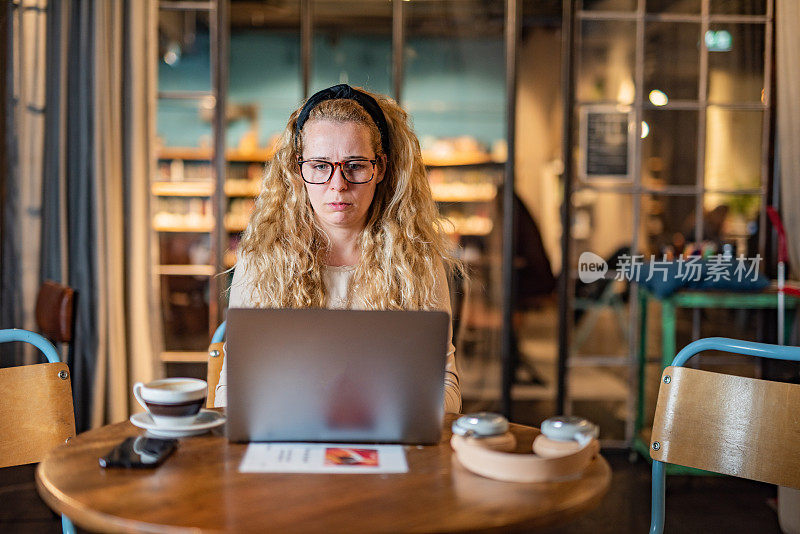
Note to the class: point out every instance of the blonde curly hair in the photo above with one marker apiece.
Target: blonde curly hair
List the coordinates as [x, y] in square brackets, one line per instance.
[401, 247]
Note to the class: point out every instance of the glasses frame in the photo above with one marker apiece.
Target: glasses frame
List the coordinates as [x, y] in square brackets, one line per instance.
[339, 164]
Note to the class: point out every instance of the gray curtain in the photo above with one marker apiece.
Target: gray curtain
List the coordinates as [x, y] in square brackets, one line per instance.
[80, 179]
[110, 98]
[24, 34]
[787, 69]
[143, 317]
[81, 75]
[10, 293]
[124, 77]
[53, 212]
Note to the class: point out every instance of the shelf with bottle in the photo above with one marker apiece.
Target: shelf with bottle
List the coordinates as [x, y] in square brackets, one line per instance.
[465, 195]
[194, 179]
[462, 176]
[186, 270]
[192, 214]
[185, 310]
[461, 151]
[259, 154]
[435, 157]
[185, 254]
[475, 225]
[463, 192]
[233, 188]
[238, 214]
[183, 191]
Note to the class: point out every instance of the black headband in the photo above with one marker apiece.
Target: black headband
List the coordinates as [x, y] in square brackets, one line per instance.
[346, 92]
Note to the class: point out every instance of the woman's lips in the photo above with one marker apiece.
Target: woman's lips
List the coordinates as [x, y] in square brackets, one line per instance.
[338, 206]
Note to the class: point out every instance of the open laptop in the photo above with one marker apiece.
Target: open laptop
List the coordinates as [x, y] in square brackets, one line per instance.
[335, 375]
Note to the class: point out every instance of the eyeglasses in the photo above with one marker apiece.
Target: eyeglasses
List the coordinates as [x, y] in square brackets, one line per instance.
[355, 171]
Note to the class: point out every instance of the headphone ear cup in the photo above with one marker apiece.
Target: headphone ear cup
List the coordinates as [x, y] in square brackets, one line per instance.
[550, 448]
[503, 443]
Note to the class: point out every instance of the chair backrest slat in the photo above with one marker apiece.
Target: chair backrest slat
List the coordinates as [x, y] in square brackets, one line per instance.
[36, 412]
[55, 306]
[733, 425]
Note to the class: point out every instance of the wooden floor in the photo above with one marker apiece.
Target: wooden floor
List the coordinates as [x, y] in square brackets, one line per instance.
[694, 504]
[21, 509]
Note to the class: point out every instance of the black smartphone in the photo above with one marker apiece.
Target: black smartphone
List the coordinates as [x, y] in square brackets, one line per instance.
[139, 451]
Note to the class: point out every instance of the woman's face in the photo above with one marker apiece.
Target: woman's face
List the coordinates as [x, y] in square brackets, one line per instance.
[338, 204]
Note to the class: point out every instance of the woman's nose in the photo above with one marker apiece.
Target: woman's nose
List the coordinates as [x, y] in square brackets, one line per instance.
[338, 183]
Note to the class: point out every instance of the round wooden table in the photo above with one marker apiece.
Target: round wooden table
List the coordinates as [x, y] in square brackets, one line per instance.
[199, 488]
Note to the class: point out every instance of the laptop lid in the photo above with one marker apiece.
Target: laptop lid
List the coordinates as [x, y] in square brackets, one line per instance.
[335, 375]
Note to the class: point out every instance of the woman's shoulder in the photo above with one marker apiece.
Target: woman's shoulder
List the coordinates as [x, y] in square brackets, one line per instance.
[241, 288]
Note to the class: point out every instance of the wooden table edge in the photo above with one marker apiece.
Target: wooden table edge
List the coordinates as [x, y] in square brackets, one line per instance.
[90, 519]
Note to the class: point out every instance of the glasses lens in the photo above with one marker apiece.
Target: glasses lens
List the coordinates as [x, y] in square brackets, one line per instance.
[357, 171]
[316, 172]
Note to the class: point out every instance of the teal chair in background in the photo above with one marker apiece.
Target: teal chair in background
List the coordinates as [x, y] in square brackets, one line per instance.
[726, 424]
[219, 333]
[36, 414]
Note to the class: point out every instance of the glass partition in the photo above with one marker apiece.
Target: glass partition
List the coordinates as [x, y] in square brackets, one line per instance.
[454, 90]
[669, 148]
[735, 63]
[606, 50]
[671, 62]
[689, 80]
[352, 45]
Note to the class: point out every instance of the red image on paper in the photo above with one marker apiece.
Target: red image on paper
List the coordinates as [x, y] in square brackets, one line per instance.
[351, 457]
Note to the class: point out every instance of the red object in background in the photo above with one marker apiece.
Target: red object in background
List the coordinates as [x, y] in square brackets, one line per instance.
[791, 291]
[775, 218]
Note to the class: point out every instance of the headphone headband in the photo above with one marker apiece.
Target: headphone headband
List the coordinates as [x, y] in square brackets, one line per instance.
[344, 91]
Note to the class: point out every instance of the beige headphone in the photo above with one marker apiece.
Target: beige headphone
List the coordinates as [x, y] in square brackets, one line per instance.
[484, 445]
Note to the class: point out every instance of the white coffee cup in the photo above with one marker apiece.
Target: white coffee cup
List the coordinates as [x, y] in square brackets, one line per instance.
[172, 402]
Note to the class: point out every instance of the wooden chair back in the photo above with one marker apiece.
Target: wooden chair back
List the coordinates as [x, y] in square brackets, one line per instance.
[55, 305]
[36, 413]
[732, 425]
[215, 358]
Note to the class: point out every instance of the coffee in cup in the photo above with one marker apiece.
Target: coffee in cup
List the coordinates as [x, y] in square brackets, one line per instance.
[172, 402]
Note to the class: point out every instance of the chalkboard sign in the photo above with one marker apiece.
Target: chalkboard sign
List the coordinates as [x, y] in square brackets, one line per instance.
[606, 143]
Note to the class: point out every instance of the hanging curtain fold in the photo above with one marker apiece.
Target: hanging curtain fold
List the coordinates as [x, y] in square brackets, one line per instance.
[124, 90]
[787, 55]
[25, 44]
[140, 89]
[10, 294]
[95, 217]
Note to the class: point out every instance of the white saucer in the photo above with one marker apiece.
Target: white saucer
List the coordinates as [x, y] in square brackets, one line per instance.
[205, 421]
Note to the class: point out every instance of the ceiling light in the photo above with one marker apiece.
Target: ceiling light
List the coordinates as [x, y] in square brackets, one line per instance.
[658, 98]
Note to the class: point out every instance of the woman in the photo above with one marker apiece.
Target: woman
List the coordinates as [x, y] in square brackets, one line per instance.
[345, 219]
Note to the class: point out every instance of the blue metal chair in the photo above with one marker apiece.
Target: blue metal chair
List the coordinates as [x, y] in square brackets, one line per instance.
[219, 333]
[723, 423]
[35, 385]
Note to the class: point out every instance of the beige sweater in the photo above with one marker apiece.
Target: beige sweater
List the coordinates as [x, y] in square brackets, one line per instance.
[337, 280]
